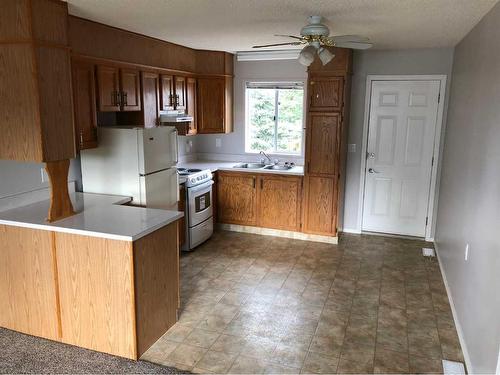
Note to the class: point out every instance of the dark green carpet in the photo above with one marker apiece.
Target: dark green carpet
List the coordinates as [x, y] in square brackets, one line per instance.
[27, 355]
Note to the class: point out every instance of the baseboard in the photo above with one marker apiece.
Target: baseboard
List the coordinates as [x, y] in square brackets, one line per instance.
[278, 233]
[349, 230]
[460, 332]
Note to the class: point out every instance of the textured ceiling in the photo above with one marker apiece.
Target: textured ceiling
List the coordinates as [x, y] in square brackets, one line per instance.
[236, 25]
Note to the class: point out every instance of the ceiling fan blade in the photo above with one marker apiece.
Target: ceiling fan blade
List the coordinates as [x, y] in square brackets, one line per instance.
[354, 45]
[348, 38]
[279, 44]
[289, 36]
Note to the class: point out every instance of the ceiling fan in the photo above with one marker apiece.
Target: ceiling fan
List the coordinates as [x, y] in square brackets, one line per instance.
[315, 37]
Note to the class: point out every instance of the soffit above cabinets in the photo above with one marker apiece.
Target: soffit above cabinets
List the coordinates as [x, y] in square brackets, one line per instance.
[235, 25]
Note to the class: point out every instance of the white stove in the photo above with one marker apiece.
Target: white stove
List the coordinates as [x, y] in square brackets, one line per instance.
[193, 177]
[198, 211]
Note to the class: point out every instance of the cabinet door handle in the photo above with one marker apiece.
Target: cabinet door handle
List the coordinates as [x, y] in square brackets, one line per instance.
[125, 98]
[253, 178]
[261, 184]
[81, 138]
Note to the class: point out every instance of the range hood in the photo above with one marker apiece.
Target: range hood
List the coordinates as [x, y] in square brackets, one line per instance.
[174, 117]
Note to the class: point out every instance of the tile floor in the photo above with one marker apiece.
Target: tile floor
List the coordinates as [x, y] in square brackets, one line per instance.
[258, 304]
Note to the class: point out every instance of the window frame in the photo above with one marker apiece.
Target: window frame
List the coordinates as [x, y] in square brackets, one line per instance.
[277, 85]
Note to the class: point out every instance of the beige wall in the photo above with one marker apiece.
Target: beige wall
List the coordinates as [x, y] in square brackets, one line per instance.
[469, 199]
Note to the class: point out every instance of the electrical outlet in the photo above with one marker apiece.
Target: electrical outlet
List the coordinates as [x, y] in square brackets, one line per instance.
[43, 175]
[218, 142]
[466, 252]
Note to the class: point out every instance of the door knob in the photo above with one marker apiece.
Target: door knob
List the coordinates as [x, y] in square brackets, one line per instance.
[371, 170]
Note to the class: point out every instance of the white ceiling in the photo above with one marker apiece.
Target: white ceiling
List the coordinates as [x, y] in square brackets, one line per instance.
[237, 25]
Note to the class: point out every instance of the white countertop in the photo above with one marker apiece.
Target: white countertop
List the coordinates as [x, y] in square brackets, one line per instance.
[98, 215]
[229, 166]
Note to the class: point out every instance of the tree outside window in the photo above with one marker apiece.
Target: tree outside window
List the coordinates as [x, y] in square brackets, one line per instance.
[274, 117]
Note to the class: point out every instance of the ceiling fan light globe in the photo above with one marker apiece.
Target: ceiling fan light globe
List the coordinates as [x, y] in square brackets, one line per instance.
[307, 55]
[325, 55]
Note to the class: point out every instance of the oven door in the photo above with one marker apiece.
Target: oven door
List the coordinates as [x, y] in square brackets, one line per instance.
[199, 203]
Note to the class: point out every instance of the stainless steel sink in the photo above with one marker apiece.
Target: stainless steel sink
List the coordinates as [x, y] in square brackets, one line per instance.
[250, 165]
[279, 167]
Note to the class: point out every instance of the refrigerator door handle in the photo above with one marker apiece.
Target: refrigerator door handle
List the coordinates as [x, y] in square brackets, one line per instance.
[175, 146]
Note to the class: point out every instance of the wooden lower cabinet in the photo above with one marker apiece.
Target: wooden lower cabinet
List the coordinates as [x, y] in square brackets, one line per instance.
[280, 202]
[269, 201]
[320, 208]
[237, 198]
[112, 296]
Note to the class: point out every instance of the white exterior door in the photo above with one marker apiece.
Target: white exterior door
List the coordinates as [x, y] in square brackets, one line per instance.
[401, 133]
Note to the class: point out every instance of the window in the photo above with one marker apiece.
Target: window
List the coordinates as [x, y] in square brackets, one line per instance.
[274, 117]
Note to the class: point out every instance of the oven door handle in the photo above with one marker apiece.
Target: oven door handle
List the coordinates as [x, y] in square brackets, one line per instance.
[197, 188]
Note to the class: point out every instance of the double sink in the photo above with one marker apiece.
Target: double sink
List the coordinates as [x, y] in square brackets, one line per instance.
[263, 166]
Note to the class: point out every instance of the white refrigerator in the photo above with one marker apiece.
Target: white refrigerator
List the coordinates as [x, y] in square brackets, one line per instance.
[136, 162]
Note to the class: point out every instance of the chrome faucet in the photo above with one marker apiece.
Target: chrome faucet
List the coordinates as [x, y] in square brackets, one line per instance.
[267, 156]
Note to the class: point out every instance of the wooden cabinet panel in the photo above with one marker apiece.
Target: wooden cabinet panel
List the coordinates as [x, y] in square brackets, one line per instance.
[180, 93]
[322, 143]
[108, 83]
[150, 98]
[156, 273]
[326, 94]
[191, 105]
[280, 202]
[237, 198]
[28, 288]
[320, 205]
[93, 270]
[211, 106]
[19, 107]
[167, 92]
[84, 104]
[130, 90]
[36, 109]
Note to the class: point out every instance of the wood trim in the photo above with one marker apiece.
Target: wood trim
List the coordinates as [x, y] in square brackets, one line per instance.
[60, 203]
[56, 282]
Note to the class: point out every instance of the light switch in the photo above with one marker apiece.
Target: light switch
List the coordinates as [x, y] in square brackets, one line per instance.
[218, 142]
[351, 147]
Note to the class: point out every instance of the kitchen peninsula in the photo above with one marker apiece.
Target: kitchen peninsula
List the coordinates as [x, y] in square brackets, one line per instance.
[105, 279]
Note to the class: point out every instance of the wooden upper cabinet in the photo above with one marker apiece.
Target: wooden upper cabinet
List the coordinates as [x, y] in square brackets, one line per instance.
[280, 202]
[108, 83]
[167, 92]
[84, 106]
[322, 143]
[180, 93]
[326, 94]
[36, 111]
[215, 105]
[237, 198]
[118, 89]
[130, 90]
[150, 98]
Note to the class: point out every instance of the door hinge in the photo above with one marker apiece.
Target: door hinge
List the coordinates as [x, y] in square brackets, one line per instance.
[439, 98]
[427, 220]
[432, 161]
